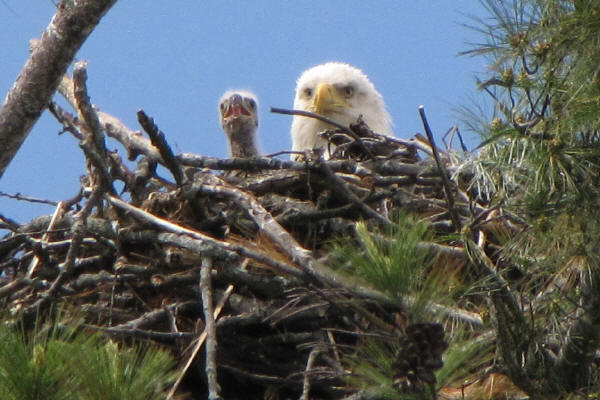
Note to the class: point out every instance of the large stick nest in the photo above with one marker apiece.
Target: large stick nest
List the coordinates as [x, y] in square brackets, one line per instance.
[130, 260]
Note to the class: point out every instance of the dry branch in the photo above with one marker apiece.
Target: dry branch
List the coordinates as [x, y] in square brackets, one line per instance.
[211, 333]
[157, 138]
[37, 82]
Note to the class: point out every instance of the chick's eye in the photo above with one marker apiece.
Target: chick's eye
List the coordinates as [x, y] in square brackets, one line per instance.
[252, 104]
[348, 91]
[308, 92]
[222, 106]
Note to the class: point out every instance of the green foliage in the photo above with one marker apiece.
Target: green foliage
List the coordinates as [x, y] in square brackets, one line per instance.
[540, 162]
[371, 369]
[465, 356]
[544, 59]
[111, 372]
[63, 363]
[395, 263]
[540, 155]
[32, 367]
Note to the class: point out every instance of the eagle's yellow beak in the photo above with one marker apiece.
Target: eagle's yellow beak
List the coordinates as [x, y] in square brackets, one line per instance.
[327, 98]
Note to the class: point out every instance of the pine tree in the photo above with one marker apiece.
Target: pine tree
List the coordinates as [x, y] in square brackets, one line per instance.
[539, 159]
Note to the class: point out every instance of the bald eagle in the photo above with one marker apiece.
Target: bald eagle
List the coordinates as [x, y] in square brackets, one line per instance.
[238, 113]
[341, 93]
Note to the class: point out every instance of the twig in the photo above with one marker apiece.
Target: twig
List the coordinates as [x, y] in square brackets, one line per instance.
[334, 349]
[78, 230]
[451, 132]
[342, 187]
[306, 381]
[383, 167]
[22, 197]
[315, 116]
[316, 215]
[12, 287]
[55, 217]
[160, 142]
[443, 172]
[199, 342]
[9, 223]
[67, 120]
[211, 333]
[151, 317]
[93, 143]
[343, 128]
[141, 333]
[133, 141]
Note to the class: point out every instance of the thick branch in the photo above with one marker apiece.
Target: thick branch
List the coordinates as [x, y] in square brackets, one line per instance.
[38, 80]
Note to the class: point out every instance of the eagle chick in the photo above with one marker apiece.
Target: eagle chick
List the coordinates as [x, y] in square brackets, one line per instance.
[238, 113]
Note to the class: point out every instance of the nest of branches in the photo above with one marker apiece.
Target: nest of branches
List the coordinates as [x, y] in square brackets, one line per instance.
[230, 253]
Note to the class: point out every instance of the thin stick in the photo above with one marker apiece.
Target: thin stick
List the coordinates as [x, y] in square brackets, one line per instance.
[443, 172]
[22, 197]
[334, 348]
[199, 342]
[342, 187]
[211, 332]
[133, 141]
[326, 120]
[312, 115]
[306, 383]
[78, 231]
[55, 217]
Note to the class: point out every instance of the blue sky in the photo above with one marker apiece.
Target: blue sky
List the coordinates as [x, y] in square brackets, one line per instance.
[175, 58]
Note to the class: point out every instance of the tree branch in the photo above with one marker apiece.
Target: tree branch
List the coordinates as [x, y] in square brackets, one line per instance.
[443, 172]
[39, 78]
[211, 331]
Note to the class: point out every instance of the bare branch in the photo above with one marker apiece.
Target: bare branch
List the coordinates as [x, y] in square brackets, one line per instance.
[211, 332]
[199, 341]
[22, 197]
[159, 141]
[37, 82]
[443, 172]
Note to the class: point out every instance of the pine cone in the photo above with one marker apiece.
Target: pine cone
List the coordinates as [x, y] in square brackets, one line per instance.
[418, 357]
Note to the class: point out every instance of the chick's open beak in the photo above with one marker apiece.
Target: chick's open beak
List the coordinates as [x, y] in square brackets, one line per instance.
[236, 108]
[327, 98]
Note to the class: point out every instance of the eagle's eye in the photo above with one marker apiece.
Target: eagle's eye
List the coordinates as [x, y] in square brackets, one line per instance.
[252, 104]
[308, 92]
[348, 91]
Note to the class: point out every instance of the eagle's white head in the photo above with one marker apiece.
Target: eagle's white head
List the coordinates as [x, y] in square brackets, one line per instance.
[238, 113]
[341, 93]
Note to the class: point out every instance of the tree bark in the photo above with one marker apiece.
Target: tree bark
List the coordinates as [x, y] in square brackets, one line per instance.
[49, 59]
